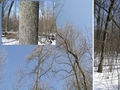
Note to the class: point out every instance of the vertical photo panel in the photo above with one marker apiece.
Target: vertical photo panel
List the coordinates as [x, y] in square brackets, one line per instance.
[107, 45]
[28, 22]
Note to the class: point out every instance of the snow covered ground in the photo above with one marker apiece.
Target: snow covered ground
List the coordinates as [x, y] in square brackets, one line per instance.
[106, 80]
[6, 41]
[43, 41]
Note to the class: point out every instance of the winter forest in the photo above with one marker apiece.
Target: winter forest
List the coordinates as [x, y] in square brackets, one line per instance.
[28, 23]
[106, 44]
[46, 45]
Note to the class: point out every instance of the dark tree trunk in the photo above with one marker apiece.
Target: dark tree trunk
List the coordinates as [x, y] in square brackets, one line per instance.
[105, 36]
[7, 22]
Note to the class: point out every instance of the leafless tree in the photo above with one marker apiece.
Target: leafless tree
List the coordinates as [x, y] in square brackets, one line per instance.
[107, 35]
[2, 63]
[73, 47]
[43, 61]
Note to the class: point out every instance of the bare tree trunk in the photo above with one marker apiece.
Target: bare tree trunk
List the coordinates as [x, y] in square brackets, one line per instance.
[83, 74]
[75, 72]
[76, 76]
[28, 22]
[38, 73]
[81, 70]
[15, 10]
[3, 5]
[7, 22]
[105, 36]
[98, 24]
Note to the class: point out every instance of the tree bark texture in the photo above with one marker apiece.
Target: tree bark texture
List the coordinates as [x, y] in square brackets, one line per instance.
[28, 22]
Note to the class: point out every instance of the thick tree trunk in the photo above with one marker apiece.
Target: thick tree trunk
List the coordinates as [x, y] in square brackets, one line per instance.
[28, 22]
[105, 36]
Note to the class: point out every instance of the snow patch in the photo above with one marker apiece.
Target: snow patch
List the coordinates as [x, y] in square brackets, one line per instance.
[43, 41]
[6, 41]
[106, 80]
